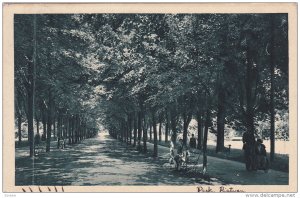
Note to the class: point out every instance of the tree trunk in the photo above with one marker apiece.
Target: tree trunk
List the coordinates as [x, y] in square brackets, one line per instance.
[83, 130]
[250, 89]
[150, 133]
[62, 125]
[20, 128]
[30, 121]
[185, 132]
[250, 85]
[58, 130]
[139, 128]
[49, 123]
[76, 129]
[145, 136]
[167, 127]
[200, 130]
[155, 134]
[123, 132]
[140, 120]
[54, 128]
[48, 129]
[126, 132]
[186, 122]
[37, 126]
[220, 121]
[44, 121]
[73, 129]
[80, 131]
[207, 121]
[272, 110]
[130, 129]
[159, 131]
[69, 129]
[173, 124]
[134, 130]
[31, 92]
[250, 122]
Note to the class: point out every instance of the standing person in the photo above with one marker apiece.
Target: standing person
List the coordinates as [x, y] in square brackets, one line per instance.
[193, 142]
[248, 147]
[37, 140]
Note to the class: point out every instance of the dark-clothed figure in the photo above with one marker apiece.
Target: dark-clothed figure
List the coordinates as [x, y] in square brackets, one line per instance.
[193, 142]
[37, 139]
[248, 147]
[43, 137]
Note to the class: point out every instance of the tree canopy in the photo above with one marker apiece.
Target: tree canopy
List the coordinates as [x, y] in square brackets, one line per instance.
[132, 72]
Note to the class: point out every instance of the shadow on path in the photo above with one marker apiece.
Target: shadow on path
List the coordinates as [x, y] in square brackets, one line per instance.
[98, 161]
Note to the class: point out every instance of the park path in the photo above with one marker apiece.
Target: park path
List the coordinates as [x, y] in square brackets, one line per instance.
[106, 161]
[97, 161]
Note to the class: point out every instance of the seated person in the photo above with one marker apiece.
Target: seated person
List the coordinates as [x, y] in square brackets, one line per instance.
[260, 148]
[182, 150]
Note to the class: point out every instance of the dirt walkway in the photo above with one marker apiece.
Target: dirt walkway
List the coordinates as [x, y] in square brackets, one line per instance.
[97, 161]
[106, 161]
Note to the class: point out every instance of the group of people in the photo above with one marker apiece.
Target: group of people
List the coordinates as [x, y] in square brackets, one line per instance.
[180, 153]
[255, 153]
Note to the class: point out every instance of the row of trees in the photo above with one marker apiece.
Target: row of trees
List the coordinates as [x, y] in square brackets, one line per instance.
[49, 81]
[138, 71]
[155, 69]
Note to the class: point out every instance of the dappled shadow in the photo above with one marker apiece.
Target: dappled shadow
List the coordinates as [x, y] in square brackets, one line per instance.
[97, 161]
[158, 168]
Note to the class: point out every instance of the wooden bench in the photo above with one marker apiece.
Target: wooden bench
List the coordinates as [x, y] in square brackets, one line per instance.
[40, 148]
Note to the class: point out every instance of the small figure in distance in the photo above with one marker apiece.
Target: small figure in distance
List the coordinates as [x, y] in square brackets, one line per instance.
[37, 139]
[193, 142]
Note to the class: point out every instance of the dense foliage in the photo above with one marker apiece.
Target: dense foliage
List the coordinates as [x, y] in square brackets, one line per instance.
[137, 74]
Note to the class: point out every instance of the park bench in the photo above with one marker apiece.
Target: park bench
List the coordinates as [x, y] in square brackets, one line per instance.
[40, 148]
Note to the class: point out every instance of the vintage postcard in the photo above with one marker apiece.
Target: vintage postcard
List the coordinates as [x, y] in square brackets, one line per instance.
[150, 97]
